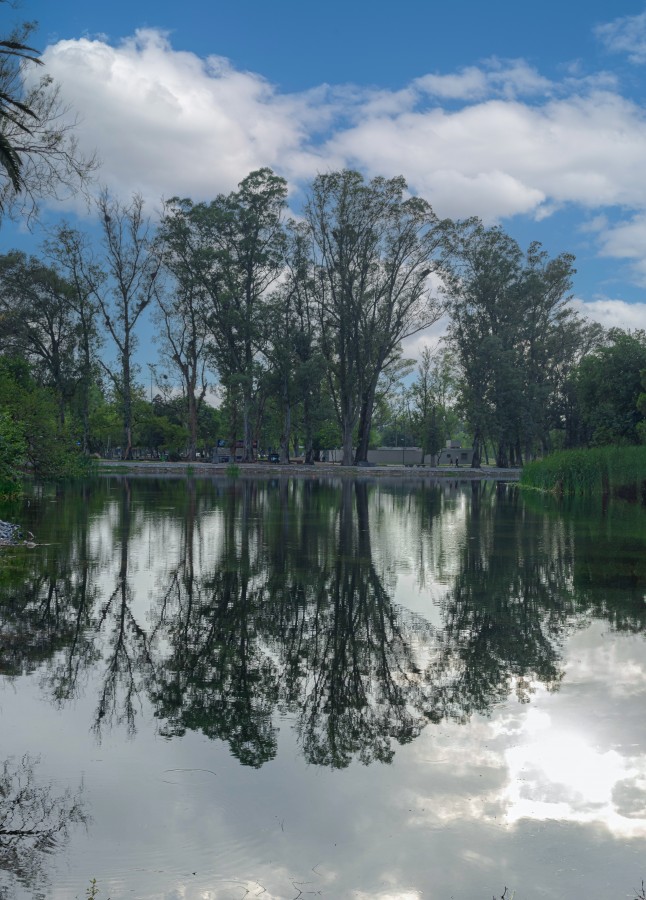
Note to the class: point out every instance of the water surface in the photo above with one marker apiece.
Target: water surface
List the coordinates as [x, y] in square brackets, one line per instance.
[227, 689]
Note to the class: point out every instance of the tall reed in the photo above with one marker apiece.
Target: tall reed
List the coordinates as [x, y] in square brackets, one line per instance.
[599, 470]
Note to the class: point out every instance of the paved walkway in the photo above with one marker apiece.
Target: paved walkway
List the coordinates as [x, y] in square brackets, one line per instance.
[263, 469]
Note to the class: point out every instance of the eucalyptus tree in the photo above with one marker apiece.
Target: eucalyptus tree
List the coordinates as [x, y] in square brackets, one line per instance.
[233, 248]
[181, 314]
[509, 320]
[293, 353]
[374, 250]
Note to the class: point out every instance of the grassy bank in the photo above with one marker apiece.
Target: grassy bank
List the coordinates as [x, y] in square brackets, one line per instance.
[601, 470]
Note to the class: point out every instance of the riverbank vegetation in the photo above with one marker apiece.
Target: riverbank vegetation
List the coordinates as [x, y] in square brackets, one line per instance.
[598, 470]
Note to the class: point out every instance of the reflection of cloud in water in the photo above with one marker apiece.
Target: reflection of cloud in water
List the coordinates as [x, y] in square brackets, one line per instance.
[564, 758]
[584, 767]
[560, 775]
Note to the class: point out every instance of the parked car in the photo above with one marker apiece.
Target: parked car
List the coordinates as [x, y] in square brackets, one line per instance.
[274, 457]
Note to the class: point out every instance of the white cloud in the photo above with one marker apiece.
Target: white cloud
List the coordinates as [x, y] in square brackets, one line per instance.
[626, 240]
[167, 122]
[500, 158]
[613, 313]
[507, 78]
[626, 34]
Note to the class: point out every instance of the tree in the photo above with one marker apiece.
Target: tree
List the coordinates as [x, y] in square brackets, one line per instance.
[293, 353]
[182, 317]
[374, 251]
[127, 289]
[38, 322]
[68, 249]
[509, 319]
[432, 395]
[233, 248]
[608, 385]
[31, 422]
[39, 154]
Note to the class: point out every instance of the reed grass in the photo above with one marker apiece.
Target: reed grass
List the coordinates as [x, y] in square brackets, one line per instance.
[599, 470]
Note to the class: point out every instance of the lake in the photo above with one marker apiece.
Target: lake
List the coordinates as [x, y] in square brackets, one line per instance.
[226, 689]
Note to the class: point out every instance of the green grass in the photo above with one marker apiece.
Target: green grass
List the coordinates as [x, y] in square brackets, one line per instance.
[233, 471]
[600, 470]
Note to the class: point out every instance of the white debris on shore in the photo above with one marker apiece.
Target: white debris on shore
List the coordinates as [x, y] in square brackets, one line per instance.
[12, 534]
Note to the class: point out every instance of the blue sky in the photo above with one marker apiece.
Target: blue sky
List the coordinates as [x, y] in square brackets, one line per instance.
[532, 116]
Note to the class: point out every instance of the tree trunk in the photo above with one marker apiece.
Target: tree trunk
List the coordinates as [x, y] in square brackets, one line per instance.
[365, 422]
[348, 428]
[127, 409]
[309, 431]
[287, 429]
[247, 440]
[192, 422]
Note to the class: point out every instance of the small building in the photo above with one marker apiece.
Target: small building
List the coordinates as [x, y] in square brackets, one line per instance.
[396, 456]
[454, 454]
[223, 454]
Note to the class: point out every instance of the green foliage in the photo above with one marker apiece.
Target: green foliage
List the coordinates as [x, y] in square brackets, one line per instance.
[30, 420]
[594, 471]
[513, 332]
[13, 448]
[608, 382]
[233, 470]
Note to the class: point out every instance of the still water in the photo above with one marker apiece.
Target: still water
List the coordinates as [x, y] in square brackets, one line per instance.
[292, 689]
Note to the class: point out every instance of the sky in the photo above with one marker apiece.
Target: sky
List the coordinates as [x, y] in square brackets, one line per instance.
[530, 116]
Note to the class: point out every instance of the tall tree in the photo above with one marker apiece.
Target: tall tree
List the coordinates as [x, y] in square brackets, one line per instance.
[293, 352]
[68, 249]
[131, 267]
[181, 313]
[509, 316]
[374, 251]
[234, 248]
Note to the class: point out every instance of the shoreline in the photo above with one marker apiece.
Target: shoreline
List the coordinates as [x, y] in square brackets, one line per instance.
[299, 470]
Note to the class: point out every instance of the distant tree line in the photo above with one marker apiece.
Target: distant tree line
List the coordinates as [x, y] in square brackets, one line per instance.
[300, 325]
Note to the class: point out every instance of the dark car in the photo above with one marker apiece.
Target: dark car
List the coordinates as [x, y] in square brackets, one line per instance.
[274, 457]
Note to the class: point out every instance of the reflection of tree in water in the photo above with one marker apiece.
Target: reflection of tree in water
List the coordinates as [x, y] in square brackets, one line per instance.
[294, 616]
[34, 822]
[127, 660]
[218, 679]
[350, 666]
[46, 595]
[507, 613]
[279, 597]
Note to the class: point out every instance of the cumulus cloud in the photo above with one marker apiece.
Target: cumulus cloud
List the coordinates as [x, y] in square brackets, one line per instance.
[168, 122]
[626, 34]
[505, 78]
[495, 139]
[613, 313]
